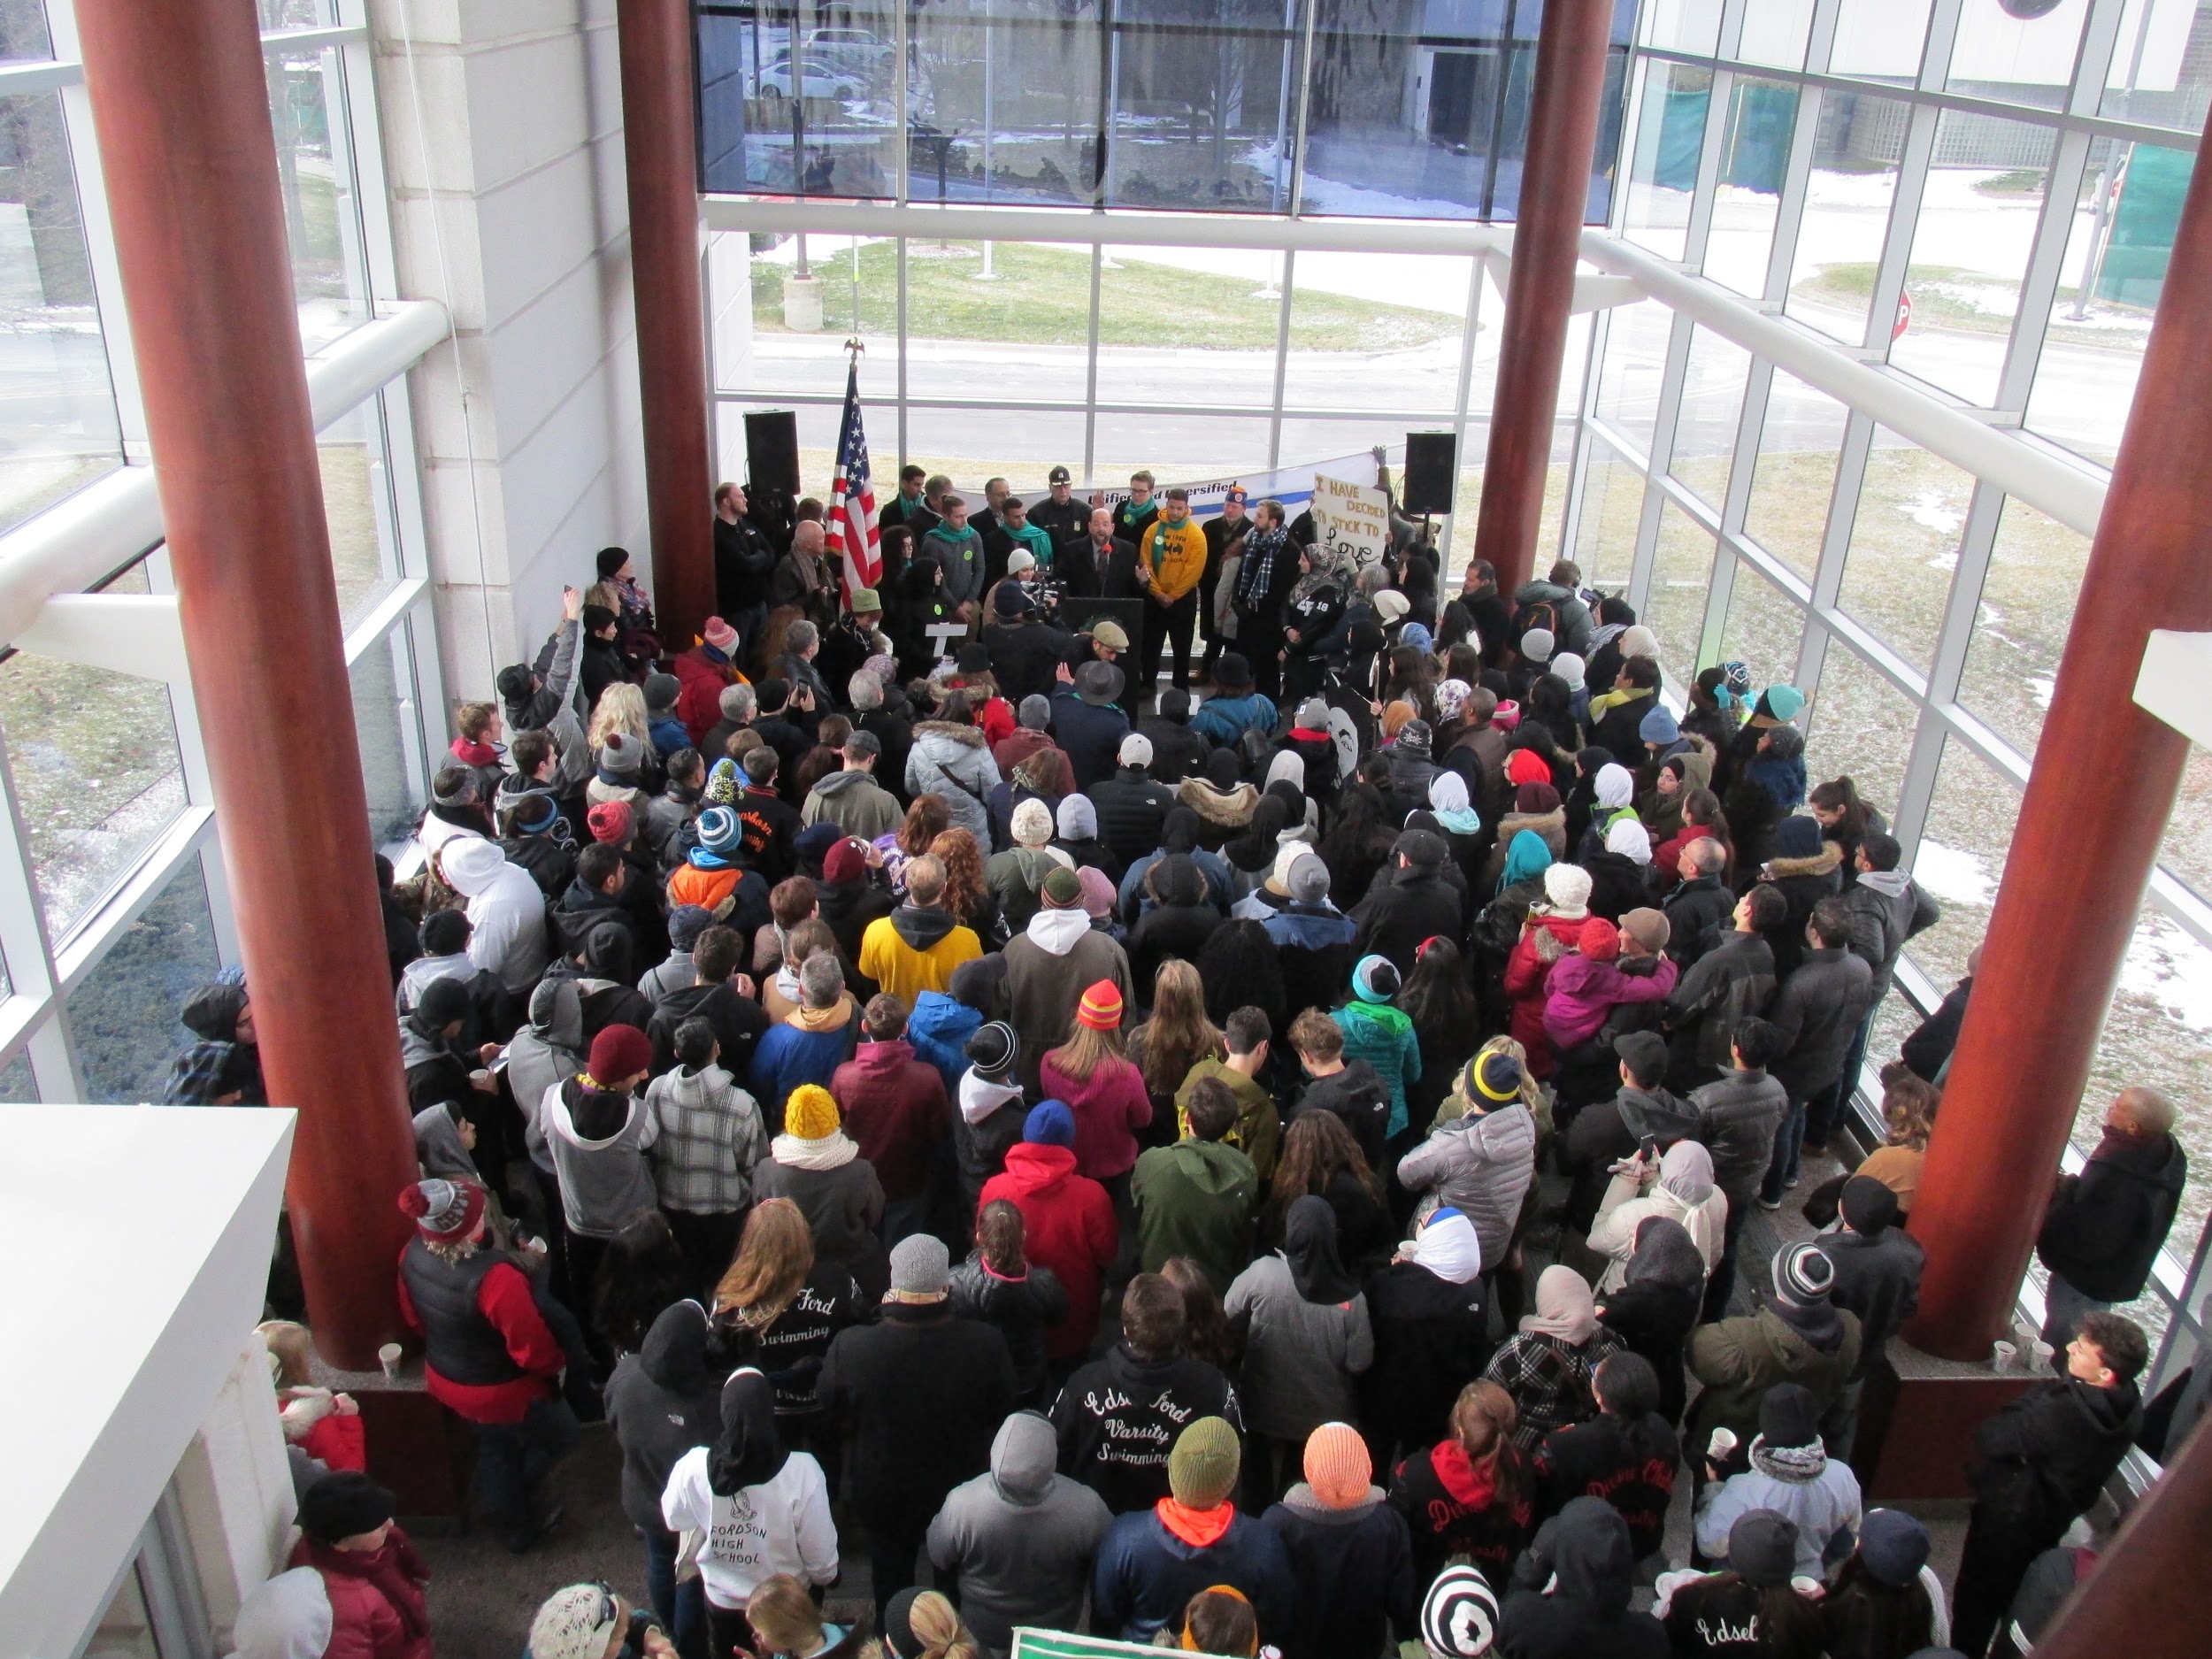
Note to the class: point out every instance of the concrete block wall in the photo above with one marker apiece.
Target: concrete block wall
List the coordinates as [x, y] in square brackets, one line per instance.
[502, 123]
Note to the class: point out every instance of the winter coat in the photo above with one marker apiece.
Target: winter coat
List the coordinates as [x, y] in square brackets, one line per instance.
[790, 1054]
[1018, 1309]
[1737, 1360]
[781, 1525]
[895, 1112]
[377, 1609]
[1928, 1050]
[1314, 944]
[1453, 1507]
[1221, 813]
[1303, 1357]
[1048, 967]
[1738, 1117]
[1223, 720]
[915, 949]
[1178, 752]
[2104, 1227]
[1583, 1555]
[1109, 1106]
[506, 910]
[1016, 880]
[1886, 907]
[1394, 919]
[1803, 883]
[1196, 1199]
[1069, 1227]
[1654, 1320]
[1358, 1096]
[1821, 1500]
[1147, 1576]
[1727, 985]
[739, 1024]
[952, 761]
[1697, 915]
[1383, 1037]
[2045, 1457]
[1526, 976]
[1165, 931]
[1550, 826]
[1131, 806]
[921, 1393]
[1431, 1337]
[938, 1027]
[855, 802]
[1550, 1379]
[1876, 1279]
[605, 1182]
[1623, 1211]
[1024, 657]
[1090, 732]
[1480, 1165]
[1353, 1570]
[789, 1350]
[1631, 1466]
[1581, 991]
[662, 1402]
[1021, 1538]
[843, 1207]
[1818, 1010]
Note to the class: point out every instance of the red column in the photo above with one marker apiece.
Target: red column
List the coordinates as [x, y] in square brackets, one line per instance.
[2144, 1598]
[181, 109]
[660, 145]
[1563, 135]
[2065, 909]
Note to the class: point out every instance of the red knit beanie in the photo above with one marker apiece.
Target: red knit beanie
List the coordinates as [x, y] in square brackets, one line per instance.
[618, 1053]
[1599, 939]
[610, 822]
[847, 861]
[1101, 1008]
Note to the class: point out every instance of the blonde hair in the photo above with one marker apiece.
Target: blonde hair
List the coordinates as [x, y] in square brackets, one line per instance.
[291, 1346]
[473, 719]
[621, 709]
[937, 1627]
[1087, 1049]
[1178, 1035]
[784, 1615]
[1532, 1091]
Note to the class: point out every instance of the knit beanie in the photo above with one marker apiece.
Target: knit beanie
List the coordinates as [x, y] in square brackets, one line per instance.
[1659, 726]
[1063, 889]
[1413, 740]
[1033, 712]
[1869, 1207]
[1803, 1276]
[1313, 715]
[1375, 979]
[1101, 1008]
[1784, 702]
[1337, 1465]
[1032, 823]
[1537, 645]
[1201, 1470]
[719, 830]
[1308, 882]
[1459, 1615]
[686, 923]
[721, 783]
[1894, 1545]
[1525, 766]
[344, 1503]
[921, 1268]
[622, 756]
[1495, 1077]
[993, 1047]
[847, 861]
[445, 1212]
[610, 822]
[575, 1624]
[1049, 1124]
[1507, 715]
[1788, 1416]
[1762, 1548]
[1599, 941]
[1648, 927]
[619, 1053]
[1567, 888]
[812, 1114]
[661, 692]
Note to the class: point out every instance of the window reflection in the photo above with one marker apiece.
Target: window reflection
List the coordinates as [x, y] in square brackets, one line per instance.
[124, 1012]
[315, 173]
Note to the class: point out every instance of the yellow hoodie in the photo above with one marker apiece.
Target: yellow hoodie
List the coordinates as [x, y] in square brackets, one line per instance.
[1176, 556]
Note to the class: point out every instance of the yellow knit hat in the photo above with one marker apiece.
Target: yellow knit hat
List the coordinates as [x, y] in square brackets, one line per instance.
[811, 1113]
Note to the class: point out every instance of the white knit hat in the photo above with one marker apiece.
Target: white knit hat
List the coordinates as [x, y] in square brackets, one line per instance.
[1567, 887]
[575, 1624]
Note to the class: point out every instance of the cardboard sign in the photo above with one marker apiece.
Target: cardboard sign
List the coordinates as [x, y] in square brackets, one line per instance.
[1351, 525]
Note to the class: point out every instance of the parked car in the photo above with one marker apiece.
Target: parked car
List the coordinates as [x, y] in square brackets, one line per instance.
[815, 80]
[851, 52]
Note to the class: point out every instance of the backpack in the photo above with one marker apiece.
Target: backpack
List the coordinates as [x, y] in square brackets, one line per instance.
[1537, 613]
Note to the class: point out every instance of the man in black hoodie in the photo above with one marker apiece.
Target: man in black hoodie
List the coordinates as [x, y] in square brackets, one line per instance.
[1118, 1418]
[1584, 1554]
[2104, 1227]
[1877, 1277]
[1353, 1090]
[2040, 1462]
[723, 997]
[661, 1403]
[1409, 905]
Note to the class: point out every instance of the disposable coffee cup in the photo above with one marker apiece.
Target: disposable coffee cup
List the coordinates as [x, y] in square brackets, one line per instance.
[1722, 1444]
[2002, 1356]
[2044, 1353]
[481, 1078]
[387, 1356]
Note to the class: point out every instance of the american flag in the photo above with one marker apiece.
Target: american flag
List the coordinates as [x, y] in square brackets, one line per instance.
[852, 515]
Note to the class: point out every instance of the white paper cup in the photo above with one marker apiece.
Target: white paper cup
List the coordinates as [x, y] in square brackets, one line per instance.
[2002, 1356]
[387, 1356]
[1722, 1443]
[2044, 1354]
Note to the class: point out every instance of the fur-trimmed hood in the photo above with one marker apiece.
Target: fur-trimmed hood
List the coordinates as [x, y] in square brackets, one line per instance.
[969, 736]
[1822, 863]
[1232, 808]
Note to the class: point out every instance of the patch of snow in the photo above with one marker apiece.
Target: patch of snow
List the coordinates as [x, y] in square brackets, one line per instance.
[2172, 970]
[1930, 508]
[1954, 875]
[2040, 687]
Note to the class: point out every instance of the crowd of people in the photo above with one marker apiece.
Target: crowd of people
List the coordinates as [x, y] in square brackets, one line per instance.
[1255, 1157]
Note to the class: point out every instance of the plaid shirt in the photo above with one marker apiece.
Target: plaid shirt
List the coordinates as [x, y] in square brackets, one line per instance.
[710, 1137]
[1549, 1381]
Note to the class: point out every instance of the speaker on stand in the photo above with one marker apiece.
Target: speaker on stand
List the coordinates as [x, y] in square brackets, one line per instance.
[1431, 462]
[771, 470]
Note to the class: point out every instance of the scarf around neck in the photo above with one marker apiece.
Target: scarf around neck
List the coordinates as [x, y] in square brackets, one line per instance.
[833, 1151]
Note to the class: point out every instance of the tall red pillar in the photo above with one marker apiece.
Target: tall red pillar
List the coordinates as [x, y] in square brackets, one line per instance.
[181, 110]
[2144, 1598]
[2065, 909]
[660, 145]
[1563, 135]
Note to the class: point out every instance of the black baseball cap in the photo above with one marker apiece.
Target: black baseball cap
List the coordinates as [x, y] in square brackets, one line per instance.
[1645, 1053]
[1058, 475]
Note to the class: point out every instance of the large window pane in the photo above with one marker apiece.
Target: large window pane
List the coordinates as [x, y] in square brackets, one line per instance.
[824, 125]
[357, 506]
[1904, 544]
[1795, 474]
[1012, 322]
[1712, 412]
[96, 771]
[756, 352]
[123, 1013]
[1201, 445]
[1551, 524]
[1859, 726]
[1008, 98]
[2019, 53]
[383, 684]
[1880, 39]
[59, 429]
[315, 171]
[1762, 630]
[1663, 169]
[1681, 577]
[1635, 364]
[2115, 266]
[1682, 26]
[18, 1085]
[2187, 849]
[2027, 605]
[971, 446]
[1775, 32]
[1978, 221]
[1962, 858]
[2159, 72]
[1754, 158]
[1152, 297]
[1612, 506]
[1848, 193]
[24, 37]
[1204, 112]
[1377, 331]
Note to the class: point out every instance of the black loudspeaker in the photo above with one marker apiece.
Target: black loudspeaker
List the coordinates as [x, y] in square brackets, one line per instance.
[1431, 460]
[771, 454]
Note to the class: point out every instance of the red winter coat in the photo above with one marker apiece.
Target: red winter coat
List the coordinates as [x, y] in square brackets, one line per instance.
[896, 1110]
[1109, 1107]
[699, 701]
[1525, 976]
[376, 1603]
[1068, 1226]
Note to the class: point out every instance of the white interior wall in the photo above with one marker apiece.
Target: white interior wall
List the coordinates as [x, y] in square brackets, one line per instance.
[503, 138]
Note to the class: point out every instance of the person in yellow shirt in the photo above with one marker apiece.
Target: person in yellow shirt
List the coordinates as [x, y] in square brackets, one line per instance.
[1169, 561]
[916, 947]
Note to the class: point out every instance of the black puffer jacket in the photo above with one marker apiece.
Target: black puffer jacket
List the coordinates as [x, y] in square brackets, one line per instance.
[2044, 1458]
[2104, 1226]
[1132, 805]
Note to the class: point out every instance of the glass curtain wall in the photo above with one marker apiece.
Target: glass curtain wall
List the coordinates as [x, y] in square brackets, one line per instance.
[112, 898]
[1980, 196]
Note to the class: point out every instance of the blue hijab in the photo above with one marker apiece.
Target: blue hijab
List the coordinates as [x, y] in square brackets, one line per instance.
[1527, 855]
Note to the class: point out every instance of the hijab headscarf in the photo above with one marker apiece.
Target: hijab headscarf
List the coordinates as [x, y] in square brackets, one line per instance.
[1526, 857]
[1631, 841]
[438, 1144]
[1687, 1171]
[1565, 1310]
[1615, 786]
[1310, 1246]
[1666, 1255]
[1447, 1246]
[1447, 794]
[747, 1452]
